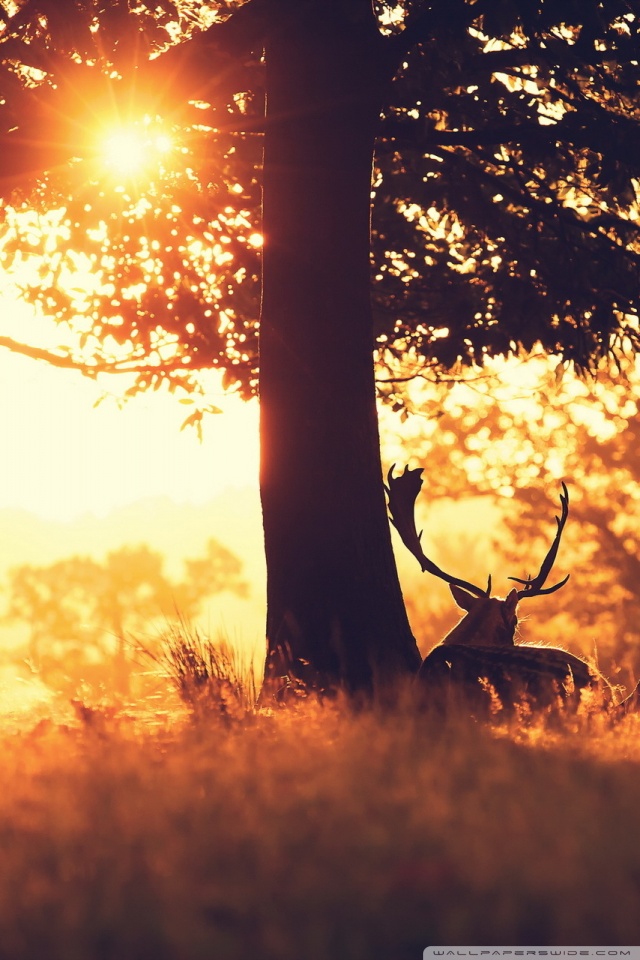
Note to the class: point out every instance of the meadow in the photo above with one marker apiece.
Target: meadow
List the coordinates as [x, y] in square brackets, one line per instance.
[314, 831]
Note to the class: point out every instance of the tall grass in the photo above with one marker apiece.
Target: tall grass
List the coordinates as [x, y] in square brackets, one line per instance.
[211, 677]
[312, 833]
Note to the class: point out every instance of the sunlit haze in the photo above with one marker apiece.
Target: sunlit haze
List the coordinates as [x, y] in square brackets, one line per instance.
[128, 150]
[63, 458]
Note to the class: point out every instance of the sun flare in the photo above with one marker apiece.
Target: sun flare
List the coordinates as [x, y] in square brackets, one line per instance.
[131, 150]
[124, 151]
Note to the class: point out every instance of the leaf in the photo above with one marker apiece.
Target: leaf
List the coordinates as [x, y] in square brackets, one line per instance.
[193, 420]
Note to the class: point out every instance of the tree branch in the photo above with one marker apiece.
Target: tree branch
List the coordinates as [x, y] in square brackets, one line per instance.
[418, 28]
[617, 137]
[36, 353]
[424, 24]
[68, 362]
[239, 35]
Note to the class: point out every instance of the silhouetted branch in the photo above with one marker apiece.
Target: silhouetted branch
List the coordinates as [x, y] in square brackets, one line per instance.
[618, 139]
[69, 362]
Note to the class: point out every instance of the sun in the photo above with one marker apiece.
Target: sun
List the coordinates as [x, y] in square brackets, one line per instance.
[133, 149]
[124, 151]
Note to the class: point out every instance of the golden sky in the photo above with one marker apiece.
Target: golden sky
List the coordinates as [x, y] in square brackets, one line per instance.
[62, 458]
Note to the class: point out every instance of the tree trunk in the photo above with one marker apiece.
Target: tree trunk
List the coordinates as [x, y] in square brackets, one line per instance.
[335, 610]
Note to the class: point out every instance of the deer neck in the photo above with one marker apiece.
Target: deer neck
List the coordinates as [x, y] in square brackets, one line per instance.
[489, 622]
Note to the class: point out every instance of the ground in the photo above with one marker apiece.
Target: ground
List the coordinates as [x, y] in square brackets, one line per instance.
[311, 832]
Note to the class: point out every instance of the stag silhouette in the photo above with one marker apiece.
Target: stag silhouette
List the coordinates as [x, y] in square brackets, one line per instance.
[478, 665]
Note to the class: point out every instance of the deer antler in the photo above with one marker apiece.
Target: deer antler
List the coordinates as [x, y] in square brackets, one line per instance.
[402, 492]
[534, 587]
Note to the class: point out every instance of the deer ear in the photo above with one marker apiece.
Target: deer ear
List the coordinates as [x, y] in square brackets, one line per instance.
[464, 599]
[511, 601]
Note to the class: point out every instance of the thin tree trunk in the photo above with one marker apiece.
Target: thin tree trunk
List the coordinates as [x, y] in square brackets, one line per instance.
[335, 609]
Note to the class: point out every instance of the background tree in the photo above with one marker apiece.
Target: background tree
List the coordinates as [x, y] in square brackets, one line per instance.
[504, 204]
[83, 615]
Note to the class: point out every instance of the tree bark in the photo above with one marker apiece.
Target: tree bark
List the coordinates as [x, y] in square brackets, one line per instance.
[335, 610]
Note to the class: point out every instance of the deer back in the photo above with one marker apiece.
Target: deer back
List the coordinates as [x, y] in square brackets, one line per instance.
[491, 679]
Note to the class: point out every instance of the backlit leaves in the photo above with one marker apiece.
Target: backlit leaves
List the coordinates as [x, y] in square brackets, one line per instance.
[505, 211]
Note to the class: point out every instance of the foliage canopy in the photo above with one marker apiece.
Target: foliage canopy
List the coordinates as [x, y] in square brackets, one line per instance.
[504, 195]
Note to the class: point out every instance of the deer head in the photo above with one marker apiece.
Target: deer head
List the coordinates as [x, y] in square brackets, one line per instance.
[488, 621]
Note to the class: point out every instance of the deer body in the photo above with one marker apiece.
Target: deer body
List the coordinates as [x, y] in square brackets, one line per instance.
[488, 681]
[478, 666]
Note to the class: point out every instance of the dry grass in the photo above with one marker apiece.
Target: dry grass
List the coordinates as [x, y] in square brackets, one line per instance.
[211, 677]
[312, 832]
